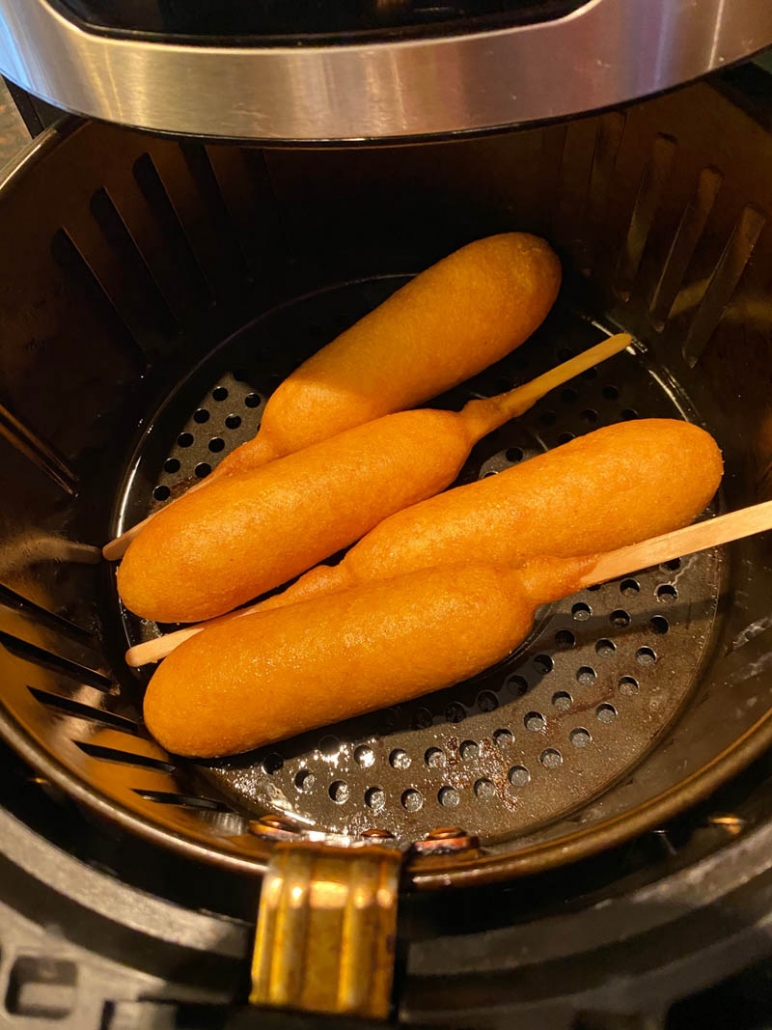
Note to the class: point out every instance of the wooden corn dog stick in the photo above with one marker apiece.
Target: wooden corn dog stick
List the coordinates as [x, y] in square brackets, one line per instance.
[700, 537]
[279, 673]
[597, 493]
[248, 533]
[115, 549]
[483, 416]
[448, 323]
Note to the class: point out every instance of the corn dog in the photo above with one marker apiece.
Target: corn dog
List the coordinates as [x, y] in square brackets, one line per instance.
[268, 676]
[609, 488]
[618, 485]
[274, 674]
[250, 532]
[450, 322]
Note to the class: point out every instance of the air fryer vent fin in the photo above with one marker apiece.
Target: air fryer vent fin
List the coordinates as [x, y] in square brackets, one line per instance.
[15, 602]
[68, 706]
[54, 662]
[185, 180]
[111, 754]
[569, 223]
[647, 201]
[41, 454]
[725, 278]
[684, 243]
[74, 262]
[140, 287]
[587, 166]
[104, 245]
[231, 266]
[553, 146]
[185, 287]
[141, 202]
[245, 188]
[607, 142]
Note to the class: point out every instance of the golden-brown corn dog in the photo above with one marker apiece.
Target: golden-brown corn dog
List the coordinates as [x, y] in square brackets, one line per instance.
[447, 324]
[264, 677]
[272, 675]
[250, 532]
[609, 488]
[612, 487]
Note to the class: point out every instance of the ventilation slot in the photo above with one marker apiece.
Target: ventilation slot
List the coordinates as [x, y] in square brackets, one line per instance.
[179, 250]
[162, 797]
[154, 247]
[685, 241]
[74, 264]
[609, 137]
[35, 450]
[552, 151]
[141, 289]
[248, 197]
[191, 190]
[575, 169]
[54, 662]
[653, 180]
[722, 283]
[15, 602]
[111, 754]
[231, 265]
[587, 171]
[67, 706]
[108, 250]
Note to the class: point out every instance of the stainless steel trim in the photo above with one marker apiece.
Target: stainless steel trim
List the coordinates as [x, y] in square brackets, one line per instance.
[607, 52]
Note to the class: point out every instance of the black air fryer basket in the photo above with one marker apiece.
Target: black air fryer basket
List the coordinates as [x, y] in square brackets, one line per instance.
[154, 292]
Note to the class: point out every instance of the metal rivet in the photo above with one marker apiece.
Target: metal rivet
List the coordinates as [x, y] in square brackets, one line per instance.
[273, 827]
[278, 822]
[446, 839]
[446, 833]
[731, 824]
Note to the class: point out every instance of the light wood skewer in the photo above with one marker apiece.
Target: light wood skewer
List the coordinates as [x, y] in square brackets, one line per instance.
[115, 549]
[489, 413]
[699, 537]
[514, 402]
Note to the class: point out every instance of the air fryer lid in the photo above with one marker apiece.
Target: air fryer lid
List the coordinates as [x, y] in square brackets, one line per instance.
[368, 70]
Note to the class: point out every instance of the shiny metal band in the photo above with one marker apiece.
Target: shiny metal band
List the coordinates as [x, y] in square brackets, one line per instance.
[607, 52]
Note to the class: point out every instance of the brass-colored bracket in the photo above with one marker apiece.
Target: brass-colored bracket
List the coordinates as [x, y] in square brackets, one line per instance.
[326, 929]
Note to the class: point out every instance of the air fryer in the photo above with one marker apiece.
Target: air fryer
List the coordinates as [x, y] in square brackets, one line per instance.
[575, 837]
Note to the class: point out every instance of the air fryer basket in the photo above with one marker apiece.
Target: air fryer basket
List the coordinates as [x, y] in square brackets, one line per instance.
[154, 292]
